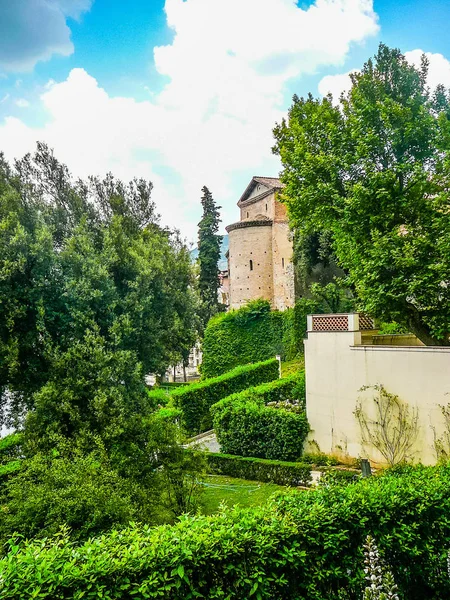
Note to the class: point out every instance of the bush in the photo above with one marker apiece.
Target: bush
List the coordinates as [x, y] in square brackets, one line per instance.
[301, 545]
[158, 397]
[248, 428]
[77, 491]
[259, 469]
[288, 389]
[196, 399]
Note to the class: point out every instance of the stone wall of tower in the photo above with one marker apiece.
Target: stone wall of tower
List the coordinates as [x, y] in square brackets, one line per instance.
[264, 207]
[283, 268]
[250, 262]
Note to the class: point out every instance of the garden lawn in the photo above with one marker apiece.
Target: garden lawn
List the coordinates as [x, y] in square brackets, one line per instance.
[219, 488]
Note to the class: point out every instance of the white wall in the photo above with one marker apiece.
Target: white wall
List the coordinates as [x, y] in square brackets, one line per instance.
[338, 366]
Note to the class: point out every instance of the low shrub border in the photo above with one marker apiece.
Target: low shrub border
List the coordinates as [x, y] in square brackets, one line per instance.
[196, 399]
[260, 469]
[299, 545]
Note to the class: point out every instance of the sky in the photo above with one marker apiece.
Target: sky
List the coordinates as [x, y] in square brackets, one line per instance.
[186, 92]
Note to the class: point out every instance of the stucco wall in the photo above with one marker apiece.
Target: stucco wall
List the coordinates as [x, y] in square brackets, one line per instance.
[250, 243]
[338, 366]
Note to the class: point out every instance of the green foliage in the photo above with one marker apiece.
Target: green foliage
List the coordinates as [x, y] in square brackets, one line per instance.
[9, 468]
[250, 334]
[158, 396]
[246, 427]
[208, 256]
[10, 447]
[93, 393]
[196, 399]
[80, 258]
[374, 171]
[77, 491]
[260, 469]
[288, 389]
[301, 545]
[319, 459]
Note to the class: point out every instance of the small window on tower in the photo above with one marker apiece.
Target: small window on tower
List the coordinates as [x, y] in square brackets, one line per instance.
[266, 207]
[251, 265]
[247, 215]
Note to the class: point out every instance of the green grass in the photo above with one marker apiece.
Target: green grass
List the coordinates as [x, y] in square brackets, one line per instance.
[219, 488]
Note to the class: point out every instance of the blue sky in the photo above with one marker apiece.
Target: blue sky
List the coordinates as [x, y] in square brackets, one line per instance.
[186, 92]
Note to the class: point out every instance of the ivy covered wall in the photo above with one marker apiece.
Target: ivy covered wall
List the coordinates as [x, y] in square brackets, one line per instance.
[253, 333]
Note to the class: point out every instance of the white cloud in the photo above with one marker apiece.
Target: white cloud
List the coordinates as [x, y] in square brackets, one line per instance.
[227, 68]
[335, 85]
[439, 68]
[438, 72]
[34, 30]
[4, 98]
[22, 103]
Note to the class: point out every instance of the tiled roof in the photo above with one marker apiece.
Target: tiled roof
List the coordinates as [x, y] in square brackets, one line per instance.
[272, 183]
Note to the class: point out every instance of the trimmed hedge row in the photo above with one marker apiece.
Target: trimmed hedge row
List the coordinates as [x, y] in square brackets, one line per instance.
[290, 388]
[248, 428]
[245, 426]
[196, 399]
[259, 469]
[302, 545]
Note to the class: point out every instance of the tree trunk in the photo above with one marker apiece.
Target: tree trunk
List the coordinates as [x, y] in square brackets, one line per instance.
[174, 373]
[184, 373]
[421, 330]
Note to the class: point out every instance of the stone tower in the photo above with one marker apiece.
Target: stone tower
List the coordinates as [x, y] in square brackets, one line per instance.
[260, 248]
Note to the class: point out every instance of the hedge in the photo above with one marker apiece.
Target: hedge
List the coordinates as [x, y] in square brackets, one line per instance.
[259, 469]
[249, 428]
[250, 334]
[290, 388]
[301, 545]
[246, 427]
[196, 399]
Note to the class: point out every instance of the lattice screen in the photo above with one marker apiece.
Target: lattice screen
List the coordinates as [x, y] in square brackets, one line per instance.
[330, 323]
[366, 322]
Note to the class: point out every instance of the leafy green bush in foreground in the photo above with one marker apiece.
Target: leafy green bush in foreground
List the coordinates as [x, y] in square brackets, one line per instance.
[302, 545]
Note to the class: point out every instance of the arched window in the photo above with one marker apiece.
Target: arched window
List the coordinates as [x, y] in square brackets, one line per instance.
[251, 265]
[282, 262]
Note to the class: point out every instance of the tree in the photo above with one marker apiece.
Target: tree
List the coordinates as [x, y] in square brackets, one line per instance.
[80, 259]
[374, 171]
[208, 256]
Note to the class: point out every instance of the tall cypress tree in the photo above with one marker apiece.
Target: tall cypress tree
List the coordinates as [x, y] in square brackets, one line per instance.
[209, 243]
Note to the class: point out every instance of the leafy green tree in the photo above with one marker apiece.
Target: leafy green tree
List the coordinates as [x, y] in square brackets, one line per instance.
[80, 259]
[374, 171]
[209, 243]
